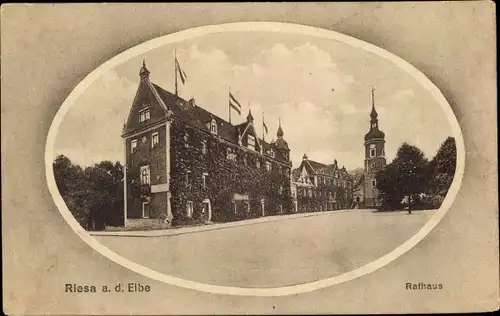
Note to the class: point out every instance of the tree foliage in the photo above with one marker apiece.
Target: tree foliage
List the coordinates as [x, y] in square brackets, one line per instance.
[412, 177]
[94, 195]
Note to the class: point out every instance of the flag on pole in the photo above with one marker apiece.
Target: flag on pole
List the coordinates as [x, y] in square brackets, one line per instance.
[181, 72]
[234, 103]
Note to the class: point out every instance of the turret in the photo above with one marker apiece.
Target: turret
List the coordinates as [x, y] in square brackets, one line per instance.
[144, 72]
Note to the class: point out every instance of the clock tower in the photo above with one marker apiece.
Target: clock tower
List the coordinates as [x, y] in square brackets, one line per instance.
[374, 158]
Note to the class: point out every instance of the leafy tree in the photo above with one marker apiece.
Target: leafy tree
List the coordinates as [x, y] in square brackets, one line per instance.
[442, 170]
[406, 176]
[356, 174]
[94, 195]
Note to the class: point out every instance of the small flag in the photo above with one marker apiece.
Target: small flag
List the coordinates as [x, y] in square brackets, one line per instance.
[234, 103]
[182, 74]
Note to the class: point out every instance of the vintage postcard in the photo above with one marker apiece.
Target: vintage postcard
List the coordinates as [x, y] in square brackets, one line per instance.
[251, 166]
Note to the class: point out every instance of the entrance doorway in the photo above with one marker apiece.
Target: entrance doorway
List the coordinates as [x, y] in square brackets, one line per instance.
[206, 210]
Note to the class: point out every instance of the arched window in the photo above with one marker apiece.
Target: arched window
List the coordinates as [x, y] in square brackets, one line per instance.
[372, 150]
[144, 174]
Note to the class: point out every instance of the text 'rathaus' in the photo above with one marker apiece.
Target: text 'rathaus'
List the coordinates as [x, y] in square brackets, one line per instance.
[185, 165]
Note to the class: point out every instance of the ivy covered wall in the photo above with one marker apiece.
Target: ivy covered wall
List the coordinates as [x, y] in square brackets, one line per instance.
[226, 174]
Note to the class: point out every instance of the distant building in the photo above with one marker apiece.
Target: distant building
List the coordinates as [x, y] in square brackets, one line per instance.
[321, 187]
[366, 193]
[186, 165]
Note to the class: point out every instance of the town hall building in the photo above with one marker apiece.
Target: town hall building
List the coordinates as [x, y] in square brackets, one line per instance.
[185, 165]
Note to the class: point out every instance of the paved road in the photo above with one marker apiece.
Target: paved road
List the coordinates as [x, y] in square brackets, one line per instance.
[277, 253]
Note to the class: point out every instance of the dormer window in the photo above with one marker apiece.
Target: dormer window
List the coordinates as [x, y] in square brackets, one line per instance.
[251, 142]
[144, 115]
[271, 153]
[213, 127]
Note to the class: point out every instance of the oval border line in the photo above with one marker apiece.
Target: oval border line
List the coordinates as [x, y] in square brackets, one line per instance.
[251, 27]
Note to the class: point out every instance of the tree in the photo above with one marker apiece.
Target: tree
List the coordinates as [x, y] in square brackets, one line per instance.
[94, 195]
[406, 176]
[441, 170]
[356, 174]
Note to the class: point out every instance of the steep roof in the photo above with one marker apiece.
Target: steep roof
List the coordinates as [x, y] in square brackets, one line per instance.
[194, 115]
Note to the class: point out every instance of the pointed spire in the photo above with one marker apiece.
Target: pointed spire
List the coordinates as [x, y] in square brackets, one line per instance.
[373, 114]
[280, 130]
[144, 72]
[249, 116]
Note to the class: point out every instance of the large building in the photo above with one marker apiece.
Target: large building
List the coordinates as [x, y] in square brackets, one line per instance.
[366, 193]
[186, 165]
[320, 187]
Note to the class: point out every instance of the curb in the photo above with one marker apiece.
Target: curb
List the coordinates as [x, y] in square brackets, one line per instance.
[196, 229]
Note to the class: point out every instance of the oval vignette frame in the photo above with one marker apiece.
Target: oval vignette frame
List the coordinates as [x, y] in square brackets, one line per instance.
[269, 27]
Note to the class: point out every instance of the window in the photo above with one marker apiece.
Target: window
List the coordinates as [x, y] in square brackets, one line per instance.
[309, 192]
[374, 125]
[189, 209]
[186, 140]
[372, 150]
[204, 180]
[144, 170]
[133, 146]
[213, 127]
[230, 154]
[155, 140]
[383, 152]
[245, 161]
[144, 115]
[188, 178]
[233, 205]
[257, 163]
[271, 153]
[374, 182]
[251, 142]
[204, 147]
[269, 167]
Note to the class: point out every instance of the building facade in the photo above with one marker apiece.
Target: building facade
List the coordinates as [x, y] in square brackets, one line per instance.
[321, 187]
[185, 165]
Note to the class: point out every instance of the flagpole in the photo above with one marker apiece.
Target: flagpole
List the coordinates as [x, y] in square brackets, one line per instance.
[175, 62]
[263, 126]
[229, 102]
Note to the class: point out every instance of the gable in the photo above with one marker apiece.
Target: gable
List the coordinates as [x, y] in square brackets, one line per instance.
[144, 98]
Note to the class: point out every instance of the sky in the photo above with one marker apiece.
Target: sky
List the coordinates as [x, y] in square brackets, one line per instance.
[319, 88]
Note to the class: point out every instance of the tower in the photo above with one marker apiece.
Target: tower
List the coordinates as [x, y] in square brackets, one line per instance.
[281, 144]
[374, 157]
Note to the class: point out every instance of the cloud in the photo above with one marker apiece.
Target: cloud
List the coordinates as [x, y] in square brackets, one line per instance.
[92, 127]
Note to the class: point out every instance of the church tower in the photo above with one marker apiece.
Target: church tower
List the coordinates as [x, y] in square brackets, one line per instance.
[374, 158]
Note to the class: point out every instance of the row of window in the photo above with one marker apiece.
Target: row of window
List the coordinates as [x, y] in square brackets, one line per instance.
[189, 179]
[155, 140]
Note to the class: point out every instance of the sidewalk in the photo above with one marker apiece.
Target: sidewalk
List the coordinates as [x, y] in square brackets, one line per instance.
[208, 227]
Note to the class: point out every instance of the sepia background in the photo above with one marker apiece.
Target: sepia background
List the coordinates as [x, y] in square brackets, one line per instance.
[48, 49]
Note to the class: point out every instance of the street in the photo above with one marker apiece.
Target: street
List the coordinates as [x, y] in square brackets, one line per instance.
[272, 254]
